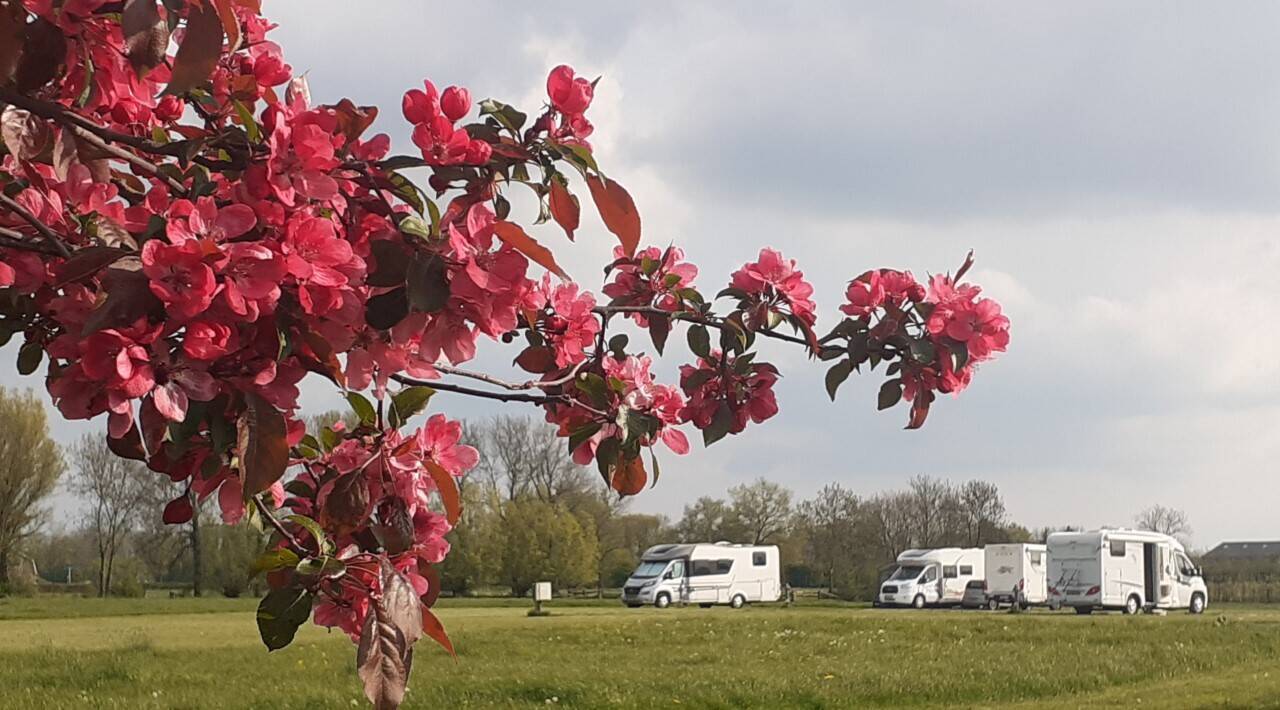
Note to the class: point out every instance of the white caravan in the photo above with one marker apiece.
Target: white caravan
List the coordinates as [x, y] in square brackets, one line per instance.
[1123, 569]
[705, 574]
[1016, 573]
[931, 577]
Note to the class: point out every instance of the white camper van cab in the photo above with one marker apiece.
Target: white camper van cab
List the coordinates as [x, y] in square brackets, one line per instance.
[705, 574]
[1123, 569]
[931, 577]
[1017, 573]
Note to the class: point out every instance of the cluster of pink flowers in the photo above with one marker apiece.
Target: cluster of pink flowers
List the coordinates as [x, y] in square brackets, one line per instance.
[360, 488]
[881, 288]
[652, 278]
[434, 116]
[775, 288]
[744, 389]
[571, 96]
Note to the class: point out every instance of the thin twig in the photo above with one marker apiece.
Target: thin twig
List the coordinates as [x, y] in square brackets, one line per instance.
[275, 523]
[515, 386]
[49, 235]
[17, 240]
[459, 389]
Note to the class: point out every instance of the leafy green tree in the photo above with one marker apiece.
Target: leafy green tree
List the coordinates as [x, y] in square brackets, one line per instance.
[30, 465]
[545, 542]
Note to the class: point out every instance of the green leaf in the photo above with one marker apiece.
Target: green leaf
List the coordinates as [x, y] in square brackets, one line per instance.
[890, 393]
[329, 438]
[408, 402]
[720, 425]
[362, 407]
[312, 527]
[404, 188]
[326, 566]
[594, 387]
[30, 355]
[427, 283]
[415, 227]
[280, 614]
[581, 434]
[246, 117]
[272, 560]
[699, 341]
[836, 377]
[510, 118]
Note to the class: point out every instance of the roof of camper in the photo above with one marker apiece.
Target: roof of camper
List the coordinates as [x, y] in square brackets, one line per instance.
[667, 552]
[1124, 533]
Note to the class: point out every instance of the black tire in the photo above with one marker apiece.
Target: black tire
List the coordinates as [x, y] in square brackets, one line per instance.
[1197, 603]
[1086, 610]
[993, 604]
[918, 602]
[738, 601]
[634, 606]
[705, 605]
[1132, 605]
[662, 601]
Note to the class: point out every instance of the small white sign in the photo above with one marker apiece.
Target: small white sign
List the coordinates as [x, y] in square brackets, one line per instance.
[542, 591]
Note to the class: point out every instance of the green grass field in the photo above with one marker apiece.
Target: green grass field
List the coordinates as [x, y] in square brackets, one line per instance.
[186, 653]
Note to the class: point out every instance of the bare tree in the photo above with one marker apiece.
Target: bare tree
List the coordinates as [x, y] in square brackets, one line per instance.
[762, 509]
[830, 522]
[522, 457]
[1169, 521]
[30, 465]
[982, 510]
[891, 517]
[929, 498]
[114, 490]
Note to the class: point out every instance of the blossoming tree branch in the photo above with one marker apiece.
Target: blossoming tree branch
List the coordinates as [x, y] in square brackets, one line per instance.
[184, 237]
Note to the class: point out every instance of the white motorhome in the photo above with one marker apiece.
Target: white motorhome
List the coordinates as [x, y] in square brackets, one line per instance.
[1016, 574]
[931, 577]
[705, 574]
[1123, 569]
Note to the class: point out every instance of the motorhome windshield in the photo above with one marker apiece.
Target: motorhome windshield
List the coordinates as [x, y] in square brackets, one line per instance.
[649, 569]
[907, 572]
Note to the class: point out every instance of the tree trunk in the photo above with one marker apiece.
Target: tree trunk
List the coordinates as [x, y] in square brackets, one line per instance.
[197, 572]
[4, 568]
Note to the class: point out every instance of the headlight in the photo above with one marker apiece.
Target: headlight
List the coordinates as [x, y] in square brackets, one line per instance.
[650, 583]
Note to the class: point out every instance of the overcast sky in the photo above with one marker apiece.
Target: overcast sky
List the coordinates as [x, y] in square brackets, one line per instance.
[1116, 167]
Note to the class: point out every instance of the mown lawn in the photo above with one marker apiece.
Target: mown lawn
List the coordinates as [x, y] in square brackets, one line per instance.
[185, 653]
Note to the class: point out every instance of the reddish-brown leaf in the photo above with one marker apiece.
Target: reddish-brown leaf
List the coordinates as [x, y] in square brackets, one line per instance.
[13, 22]
[346, 503]
[44, 54]
[146, 35]
[230, 25]
[432, 575]
[629, 477]
[25, 134]
[261, 444]
[432, 627]
[86, 262]
[537, 359]
[618, 211]
[448, 489]
[385, 653]
[200, 49]
[515, 236]
[564, 207]
[354, 120]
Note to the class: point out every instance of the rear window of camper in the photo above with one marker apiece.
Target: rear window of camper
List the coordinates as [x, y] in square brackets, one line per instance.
[1037, 557]
[757, 559]
[702, 568]
[1118, 548]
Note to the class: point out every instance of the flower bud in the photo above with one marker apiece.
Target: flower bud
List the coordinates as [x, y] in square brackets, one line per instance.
[455, 102]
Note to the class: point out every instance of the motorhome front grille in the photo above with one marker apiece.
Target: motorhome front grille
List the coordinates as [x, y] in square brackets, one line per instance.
[889, 589]
[631, 591]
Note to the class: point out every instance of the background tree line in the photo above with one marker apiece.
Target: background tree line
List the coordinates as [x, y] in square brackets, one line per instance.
[530, 514]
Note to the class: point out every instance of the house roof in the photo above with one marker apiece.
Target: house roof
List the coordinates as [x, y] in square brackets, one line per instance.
[1252, 550]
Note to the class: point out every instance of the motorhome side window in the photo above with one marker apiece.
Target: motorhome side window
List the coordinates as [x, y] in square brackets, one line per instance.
[702, 568]
[1118, 548]
[758, 559]
[966, 569]
[949, 572]
[1037, 557]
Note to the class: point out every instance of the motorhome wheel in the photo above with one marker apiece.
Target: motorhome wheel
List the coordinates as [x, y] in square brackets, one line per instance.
[1084, 610]
[705, 605]
[1197, 603]
[662, 601]
[918, 602]
[993, 603]
[1132, 605]
[738, 601]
